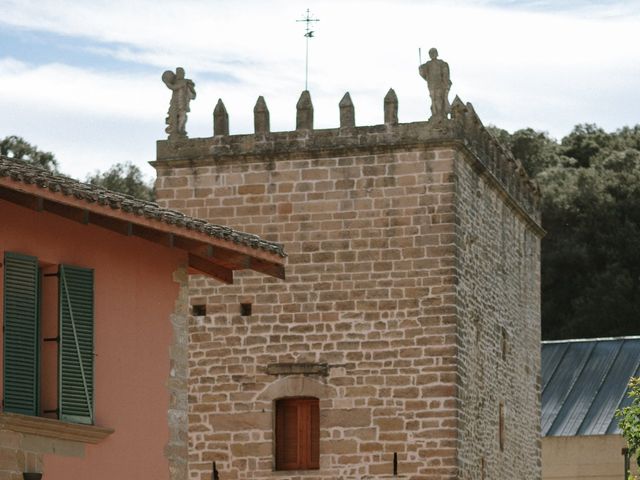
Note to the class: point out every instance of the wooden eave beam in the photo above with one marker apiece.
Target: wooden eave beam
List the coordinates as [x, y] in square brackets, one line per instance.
[114, 224]
[22, 199]
[205, 266]
[72, 213]
[163, 238]
[183, 243]
[239, 261]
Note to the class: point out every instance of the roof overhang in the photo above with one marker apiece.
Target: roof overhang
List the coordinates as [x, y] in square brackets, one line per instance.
[207, 254]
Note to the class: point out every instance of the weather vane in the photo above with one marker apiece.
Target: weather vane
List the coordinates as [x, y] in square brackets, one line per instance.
[308, 34]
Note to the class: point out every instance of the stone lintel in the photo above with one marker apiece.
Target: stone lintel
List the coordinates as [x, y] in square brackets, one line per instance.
[298, 369]
[48, 427]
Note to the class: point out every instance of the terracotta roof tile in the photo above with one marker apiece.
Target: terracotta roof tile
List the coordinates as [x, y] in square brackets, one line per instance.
[23, 172]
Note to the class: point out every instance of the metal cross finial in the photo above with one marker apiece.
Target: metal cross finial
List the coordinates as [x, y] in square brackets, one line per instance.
[308, 34]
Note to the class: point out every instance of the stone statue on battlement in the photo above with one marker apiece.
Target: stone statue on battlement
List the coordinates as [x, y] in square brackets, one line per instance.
[436, 73]
[184, 90]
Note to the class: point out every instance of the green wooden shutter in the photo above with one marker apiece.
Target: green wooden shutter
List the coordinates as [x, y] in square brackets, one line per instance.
[21, 347]
[75, 389]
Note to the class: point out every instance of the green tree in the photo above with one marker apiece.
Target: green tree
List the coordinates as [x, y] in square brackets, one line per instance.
[590, 185]
[124, 178]
[18, 148]
[585, 142]
[536, 150]
[629, 421]
[591, 254]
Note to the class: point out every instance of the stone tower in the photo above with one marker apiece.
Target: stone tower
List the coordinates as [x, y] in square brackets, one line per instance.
[410, 312]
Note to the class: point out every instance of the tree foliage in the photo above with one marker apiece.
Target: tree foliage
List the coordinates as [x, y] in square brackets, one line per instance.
[536, 150]
[124, 178]
[629, 420]
[18, 148]
[584, 143]
[590, 183]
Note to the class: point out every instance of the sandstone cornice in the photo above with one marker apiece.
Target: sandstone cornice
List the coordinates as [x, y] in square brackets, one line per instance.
[301, 143]
[464, 131]
[48, 427]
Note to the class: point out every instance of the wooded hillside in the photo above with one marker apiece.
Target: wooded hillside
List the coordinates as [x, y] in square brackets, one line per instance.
[590, 183]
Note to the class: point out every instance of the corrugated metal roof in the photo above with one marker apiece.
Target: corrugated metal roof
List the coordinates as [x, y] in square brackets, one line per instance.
[584, 382]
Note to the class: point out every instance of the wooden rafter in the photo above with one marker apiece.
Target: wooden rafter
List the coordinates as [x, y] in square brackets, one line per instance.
[205, 266]
[239, 261]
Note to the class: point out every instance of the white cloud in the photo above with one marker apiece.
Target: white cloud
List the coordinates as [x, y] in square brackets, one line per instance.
[74, 90]
[545, 69]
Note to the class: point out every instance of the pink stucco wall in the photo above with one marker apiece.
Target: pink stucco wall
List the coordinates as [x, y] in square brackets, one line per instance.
[134, 297]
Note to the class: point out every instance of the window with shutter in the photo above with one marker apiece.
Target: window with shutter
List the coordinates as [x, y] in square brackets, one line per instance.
[22, 324]
[21, 346]
[75, 376]
[297, 434]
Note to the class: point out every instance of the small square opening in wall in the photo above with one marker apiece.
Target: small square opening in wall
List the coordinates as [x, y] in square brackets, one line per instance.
[198, 310]
[245, 309]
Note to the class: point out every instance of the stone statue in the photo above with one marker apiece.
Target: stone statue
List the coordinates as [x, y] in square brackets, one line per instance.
[184, 90]
[436, 73]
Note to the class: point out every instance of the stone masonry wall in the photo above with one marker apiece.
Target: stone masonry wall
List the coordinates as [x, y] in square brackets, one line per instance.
[498, 299]
[369, 291]
[176, 450]
[22, 452]
[16, 456]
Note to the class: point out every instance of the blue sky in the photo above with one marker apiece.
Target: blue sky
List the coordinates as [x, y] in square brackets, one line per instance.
[82, 78]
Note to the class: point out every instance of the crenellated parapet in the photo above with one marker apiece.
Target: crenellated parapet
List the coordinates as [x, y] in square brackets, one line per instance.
[462, 126]
[495, 157]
